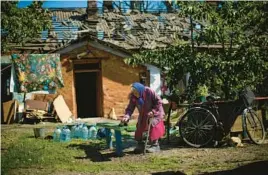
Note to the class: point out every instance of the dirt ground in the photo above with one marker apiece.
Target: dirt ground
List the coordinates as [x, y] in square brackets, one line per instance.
[178, 158]
[249, 159]
[202, 160]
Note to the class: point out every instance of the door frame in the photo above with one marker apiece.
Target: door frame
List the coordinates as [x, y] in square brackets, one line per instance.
[99, 99]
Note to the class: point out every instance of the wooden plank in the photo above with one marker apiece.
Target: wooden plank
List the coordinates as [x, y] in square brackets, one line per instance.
[85, 61]
[28, 45]
[8, 111]
[74, 94]
[36, 105]
[116, 126]
[88, 70]
[62, 109]
[29, 48]
[99, 94]
[237, 126]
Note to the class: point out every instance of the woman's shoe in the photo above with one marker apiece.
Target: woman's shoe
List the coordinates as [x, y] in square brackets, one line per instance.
[153, 149]
[139, 148]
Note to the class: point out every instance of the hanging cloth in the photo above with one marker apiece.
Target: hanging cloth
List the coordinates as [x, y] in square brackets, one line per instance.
[37, 72]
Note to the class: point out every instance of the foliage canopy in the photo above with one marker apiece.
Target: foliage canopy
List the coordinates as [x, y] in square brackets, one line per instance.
[21, 24]
[241, 30]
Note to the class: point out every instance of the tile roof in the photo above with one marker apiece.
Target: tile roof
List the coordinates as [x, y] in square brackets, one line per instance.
[147, 31]
[129, 31]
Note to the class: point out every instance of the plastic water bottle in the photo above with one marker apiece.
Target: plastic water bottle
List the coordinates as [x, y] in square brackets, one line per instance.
[84, 132]
[93, 132]
[76, 131]
[65, 134]
[56, 134]
[73, 131]
[90, 133]
[68, 133]
[80, 128]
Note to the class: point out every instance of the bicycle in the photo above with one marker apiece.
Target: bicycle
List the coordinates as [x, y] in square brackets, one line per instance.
[201, 123]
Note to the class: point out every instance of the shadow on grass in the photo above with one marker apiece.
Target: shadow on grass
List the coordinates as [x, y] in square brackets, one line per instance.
[98, 151]
[92, 152]
[174, 142]
[48, 137]
[177, 142]
[256, 168]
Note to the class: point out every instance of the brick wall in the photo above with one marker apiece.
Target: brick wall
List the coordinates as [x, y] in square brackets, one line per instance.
[67, 90]
[116, 80]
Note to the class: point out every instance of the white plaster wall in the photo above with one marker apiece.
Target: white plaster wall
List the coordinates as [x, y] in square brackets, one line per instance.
[155, 78]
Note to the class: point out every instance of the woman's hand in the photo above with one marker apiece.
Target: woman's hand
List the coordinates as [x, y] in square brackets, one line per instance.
[152, 119]
[125, 119]
[150, 114]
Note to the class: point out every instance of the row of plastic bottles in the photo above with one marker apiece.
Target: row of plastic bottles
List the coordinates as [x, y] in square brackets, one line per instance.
[78, 131]
[62, 135]
[82, 131]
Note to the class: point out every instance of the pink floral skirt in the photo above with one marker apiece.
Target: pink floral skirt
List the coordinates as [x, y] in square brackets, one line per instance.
[156, 132]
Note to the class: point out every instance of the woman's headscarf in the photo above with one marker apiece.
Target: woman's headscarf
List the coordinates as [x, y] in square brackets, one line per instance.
[140, 88]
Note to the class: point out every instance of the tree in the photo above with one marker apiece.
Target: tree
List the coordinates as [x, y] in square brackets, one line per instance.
[18, 25]
[241, 30]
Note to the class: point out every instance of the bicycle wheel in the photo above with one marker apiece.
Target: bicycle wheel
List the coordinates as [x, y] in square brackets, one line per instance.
[254, 127]
[197, 127]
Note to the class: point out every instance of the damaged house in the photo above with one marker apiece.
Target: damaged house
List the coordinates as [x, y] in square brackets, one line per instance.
[90, 44]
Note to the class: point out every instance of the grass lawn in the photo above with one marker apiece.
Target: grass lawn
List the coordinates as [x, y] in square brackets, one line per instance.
[22, 153]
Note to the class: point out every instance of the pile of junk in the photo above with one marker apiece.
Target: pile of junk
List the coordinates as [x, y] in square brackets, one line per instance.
[29, 84]
[41, 107]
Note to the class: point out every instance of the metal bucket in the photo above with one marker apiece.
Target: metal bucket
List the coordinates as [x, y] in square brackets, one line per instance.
[39, 132]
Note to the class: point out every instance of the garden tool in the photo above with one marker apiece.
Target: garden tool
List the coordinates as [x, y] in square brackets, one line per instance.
[147, 137]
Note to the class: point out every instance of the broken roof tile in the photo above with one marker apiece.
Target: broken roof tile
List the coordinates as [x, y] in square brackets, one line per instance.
[131, 31]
